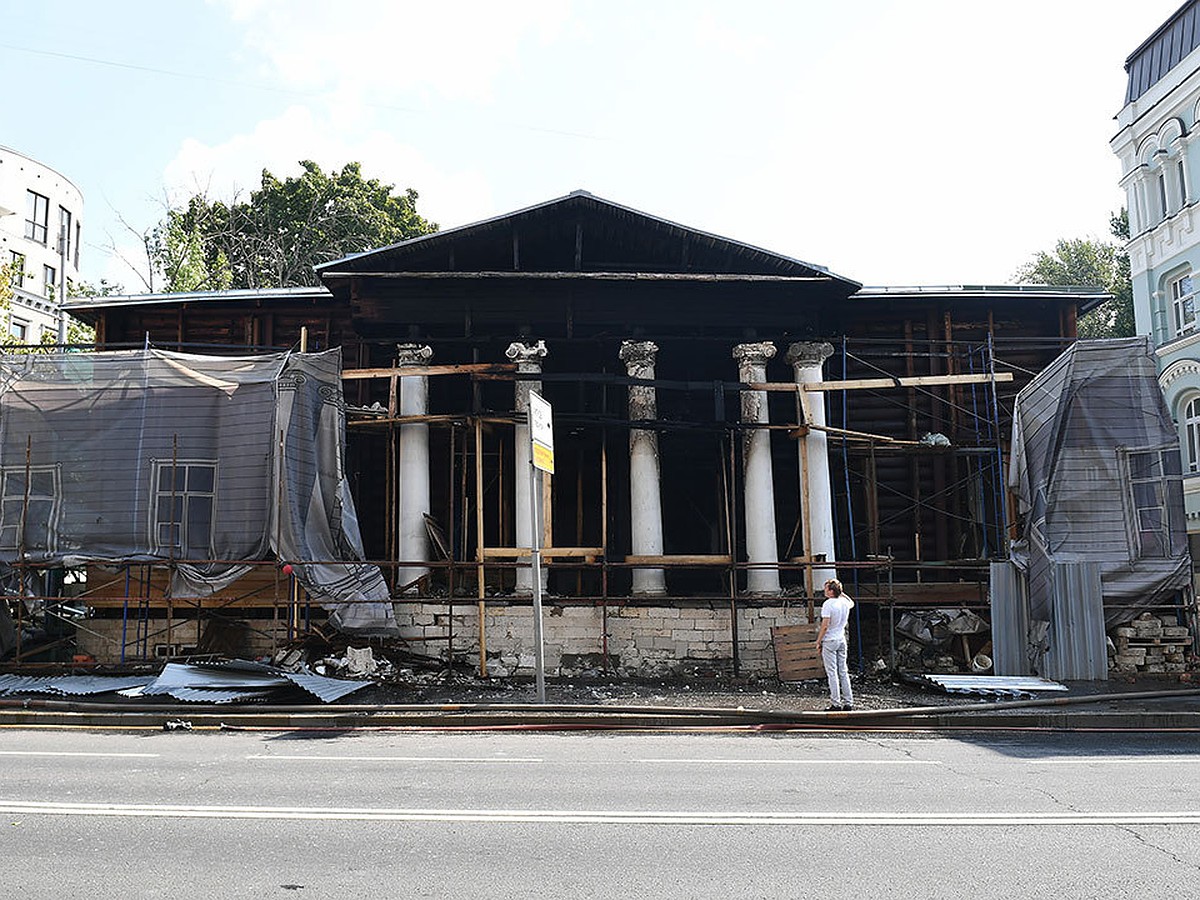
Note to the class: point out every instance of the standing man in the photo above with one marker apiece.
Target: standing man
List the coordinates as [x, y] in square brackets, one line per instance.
[831, 641]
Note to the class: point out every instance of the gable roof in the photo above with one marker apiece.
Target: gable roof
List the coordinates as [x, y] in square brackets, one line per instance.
[579, 233]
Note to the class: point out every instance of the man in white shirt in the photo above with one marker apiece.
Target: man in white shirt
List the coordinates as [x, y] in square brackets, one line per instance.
[831, 641]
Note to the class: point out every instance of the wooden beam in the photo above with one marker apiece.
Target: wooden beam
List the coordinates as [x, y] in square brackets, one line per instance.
[461, 369]
[865, 384]
[682, 559]
[548, 552]
[860, 435]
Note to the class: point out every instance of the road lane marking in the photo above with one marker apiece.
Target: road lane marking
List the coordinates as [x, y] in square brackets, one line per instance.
[591, 817]
[438, 759]
[1108, 761]
[79, 753]
[796, 762]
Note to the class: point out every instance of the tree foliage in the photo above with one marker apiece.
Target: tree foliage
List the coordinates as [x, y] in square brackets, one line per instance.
[285, 228]
[1090, 262]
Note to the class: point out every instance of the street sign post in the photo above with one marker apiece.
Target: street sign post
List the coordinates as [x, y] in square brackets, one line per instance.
[541, 459]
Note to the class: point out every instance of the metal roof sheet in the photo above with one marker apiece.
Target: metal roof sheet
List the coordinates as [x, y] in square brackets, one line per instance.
[208, 695]
[325, 689]
[988, 685]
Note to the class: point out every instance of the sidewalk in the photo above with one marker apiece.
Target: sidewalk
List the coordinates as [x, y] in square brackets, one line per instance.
[767, 705]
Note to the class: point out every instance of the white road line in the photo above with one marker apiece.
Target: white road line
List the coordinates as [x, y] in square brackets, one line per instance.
[1109, 761]
[589, 817]
[437, 759]
[794, 762]
[79, 753]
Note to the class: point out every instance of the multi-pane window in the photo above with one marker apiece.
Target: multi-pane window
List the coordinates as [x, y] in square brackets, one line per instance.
[37, 216]
[64, 231]
[50, 278]
[29, 504]
[1191, 434]
[19, 329]
[1183, 301]
[184, 499]
[18, 268]
[1150, 474]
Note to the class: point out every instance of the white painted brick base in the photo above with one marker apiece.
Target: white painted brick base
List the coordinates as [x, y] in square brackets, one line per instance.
[644, 641]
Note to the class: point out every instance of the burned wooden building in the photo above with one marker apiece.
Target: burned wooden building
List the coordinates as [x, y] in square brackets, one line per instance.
[732, 426]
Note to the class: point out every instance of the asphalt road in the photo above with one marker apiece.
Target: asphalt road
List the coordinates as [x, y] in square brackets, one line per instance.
[597, 815]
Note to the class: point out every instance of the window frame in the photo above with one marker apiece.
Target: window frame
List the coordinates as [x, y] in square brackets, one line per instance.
[1182, 302]
[1139, 511]
[180, 503]
[14, 533]
[64, 232]
[37, 207]
[18, 258]
[1189, 420]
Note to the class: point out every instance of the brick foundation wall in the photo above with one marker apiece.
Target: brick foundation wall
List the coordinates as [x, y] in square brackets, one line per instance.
[643, 641]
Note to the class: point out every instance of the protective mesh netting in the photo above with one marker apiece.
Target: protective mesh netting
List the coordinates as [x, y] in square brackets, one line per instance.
[204, 462]
[1097, 475]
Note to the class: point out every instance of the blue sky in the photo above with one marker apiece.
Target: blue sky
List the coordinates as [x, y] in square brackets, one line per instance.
[905, 142]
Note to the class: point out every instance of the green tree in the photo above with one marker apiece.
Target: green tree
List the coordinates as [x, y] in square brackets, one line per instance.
[1090, 262]
[285, 228]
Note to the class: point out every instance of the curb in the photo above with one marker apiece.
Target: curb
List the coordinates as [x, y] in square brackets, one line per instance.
[616, 719]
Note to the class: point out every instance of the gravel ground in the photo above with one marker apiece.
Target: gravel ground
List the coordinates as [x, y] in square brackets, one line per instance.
[869, 693]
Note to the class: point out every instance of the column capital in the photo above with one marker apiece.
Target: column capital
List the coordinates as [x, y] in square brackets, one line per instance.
[638, 354]
[528, 357]
[413, 354]
[754, 354]
[804, 354]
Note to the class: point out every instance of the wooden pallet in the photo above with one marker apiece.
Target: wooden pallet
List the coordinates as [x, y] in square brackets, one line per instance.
[796, 657]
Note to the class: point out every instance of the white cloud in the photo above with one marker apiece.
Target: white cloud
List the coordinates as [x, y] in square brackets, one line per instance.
[233, 167]
[383, 48]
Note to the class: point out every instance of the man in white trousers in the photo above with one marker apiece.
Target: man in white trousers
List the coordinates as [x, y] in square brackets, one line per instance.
[831, 641]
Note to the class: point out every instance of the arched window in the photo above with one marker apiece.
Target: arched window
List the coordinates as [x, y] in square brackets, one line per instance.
[1183, 304]
[1191, 434]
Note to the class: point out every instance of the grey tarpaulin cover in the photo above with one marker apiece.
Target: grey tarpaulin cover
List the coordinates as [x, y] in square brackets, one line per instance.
[1096, 471]
[152, 456]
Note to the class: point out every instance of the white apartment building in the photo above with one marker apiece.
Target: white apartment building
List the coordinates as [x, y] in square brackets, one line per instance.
[41, 214]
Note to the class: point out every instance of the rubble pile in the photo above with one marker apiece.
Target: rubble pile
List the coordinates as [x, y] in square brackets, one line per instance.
[940, 641]
[1150, 644]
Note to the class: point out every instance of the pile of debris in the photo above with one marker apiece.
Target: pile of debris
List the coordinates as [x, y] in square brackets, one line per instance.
[1150, 644]
[942, 640]
[216, 681]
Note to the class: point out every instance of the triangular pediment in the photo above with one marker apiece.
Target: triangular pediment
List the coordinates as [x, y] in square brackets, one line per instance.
[579, 233]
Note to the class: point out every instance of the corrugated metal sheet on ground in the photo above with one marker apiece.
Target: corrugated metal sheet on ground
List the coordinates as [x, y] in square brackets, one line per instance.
[184, 675]
[78, 685]
[245, 675]
[325, 689]
[209, 683]
[990, 685]
[24, 684]
[208, 695]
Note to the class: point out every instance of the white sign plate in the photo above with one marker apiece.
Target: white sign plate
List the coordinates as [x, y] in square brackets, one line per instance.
[541, 432]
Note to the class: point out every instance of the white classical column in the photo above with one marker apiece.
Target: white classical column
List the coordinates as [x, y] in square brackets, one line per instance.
[1128, 183]
[1143, 204]
[761, 545]
[806, 358]
[1185, 190]
[414, 464]
[528, 358]
[645, 499]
